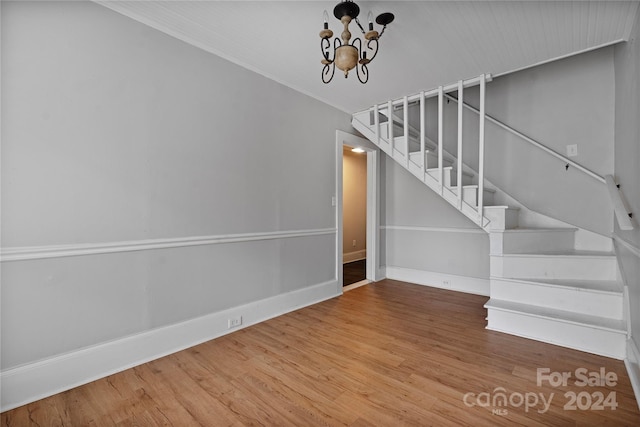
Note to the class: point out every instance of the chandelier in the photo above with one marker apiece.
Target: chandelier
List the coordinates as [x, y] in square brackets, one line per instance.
[357, 54]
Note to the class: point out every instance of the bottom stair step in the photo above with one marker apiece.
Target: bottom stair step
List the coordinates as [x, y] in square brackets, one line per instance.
[598, 335]
[599, 298]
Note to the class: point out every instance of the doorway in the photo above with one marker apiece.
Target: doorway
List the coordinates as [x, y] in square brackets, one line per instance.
[354, 215]
[365, 248]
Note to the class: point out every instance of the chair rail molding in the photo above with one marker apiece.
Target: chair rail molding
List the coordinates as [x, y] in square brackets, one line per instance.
[59, 251]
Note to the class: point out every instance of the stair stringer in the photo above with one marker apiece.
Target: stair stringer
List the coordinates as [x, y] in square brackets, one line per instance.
[403, 159]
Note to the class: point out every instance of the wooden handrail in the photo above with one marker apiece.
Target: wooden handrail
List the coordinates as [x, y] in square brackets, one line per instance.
[619, 207]
[532, 142]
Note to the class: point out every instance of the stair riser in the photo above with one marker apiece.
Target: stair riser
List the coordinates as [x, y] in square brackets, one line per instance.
[430, 157]
[501, 219]
[450, 177]
[470, 195]
[447, 176]
[554, 267]
[579, 337]
[531, 241]
[583, 301]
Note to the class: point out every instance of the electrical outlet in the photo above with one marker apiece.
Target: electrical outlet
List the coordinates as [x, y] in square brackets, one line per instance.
[234, 322]
[354, 243]
[446, 283]
[572, 150]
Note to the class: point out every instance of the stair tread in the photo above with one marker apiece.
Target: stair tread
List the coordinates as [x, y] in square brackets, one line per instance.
[535, 230]
[608, 286]
[418, 152]
[433, 170]
[614, 325]
[489, 190]
[570, 253]
[502, 207]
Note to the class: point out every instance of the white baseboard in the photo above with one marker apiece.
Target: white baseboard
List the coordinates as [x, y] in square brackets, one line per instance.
[632, 362]
[470, 285]
[354, 256]
[34, 381]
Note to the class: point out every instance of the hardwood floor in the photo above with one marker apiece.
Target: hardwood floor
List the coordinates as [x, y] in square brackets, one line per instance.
[353, 272]
[384, 354]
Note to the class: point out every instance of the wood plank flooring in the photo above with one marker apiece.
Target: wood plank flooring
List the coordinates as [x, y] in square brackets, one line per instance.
[384, 354]
[353, 272]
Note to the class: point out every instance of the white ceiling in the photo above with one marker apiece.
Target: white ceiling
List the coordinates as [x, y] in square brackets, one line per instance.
[430, 43]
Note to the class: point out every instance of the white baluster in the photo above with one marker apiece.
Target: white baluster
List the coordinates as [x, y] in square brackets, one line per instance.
[390, 124]
[405, 107]
[460, 113]
[440, 137]
[481, 151]
[376, 121]
[422, 135]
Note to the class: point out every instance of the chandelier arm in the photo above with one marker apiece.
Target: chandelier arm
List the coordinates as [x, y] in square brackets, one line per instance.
[328, 70]
[374, 49]
[358, 22]
[324, 49]
[359, 46]
[382, 32]
[361, 69]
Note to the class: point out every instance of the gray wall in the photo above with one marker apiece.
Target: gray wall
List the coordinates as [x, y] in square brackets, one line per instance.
[423, 232]
[114, 132]
[627, 161]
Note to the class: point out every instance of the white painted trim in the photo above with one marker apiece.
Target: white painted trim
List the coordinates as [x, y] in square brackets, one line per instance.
[558, 58]
[373, 215]
[632, 363]
[28, 383]
[52, 251]
[433, 229]
[382, 272]
[356, 285]
[373, 208]
[632, 248]
[354, 256]
[470, 285]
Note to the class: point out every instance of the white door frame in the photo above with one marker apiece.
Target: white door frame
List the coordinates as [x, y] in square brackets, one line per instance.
[373, 205]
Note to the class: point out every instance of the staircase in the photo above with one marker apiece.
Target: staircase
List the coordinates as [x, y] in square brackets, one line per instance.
[546, 283]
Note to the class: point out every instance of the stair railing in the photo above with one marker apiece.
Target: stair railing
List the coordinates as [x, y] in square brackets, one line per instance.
[531, 141]
[620, 210]
[441, 92]
[622, 213]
